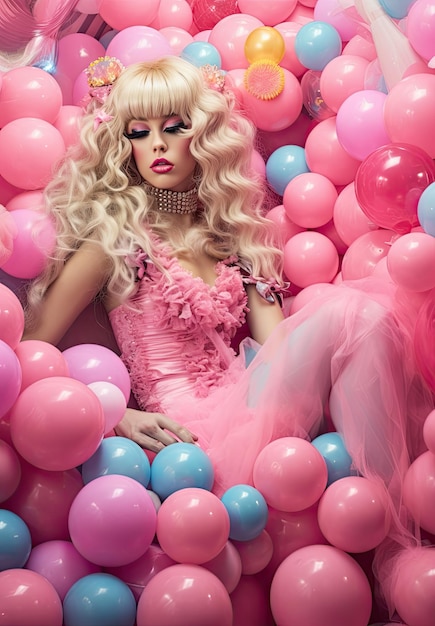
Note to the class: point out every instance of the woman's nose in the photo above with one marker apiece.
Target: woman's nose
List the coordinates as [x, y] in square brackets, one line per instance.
[159, 143]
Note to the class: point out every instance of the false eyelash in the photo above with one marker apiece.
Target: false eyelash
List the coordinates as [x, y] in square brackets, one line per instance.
[137, 134]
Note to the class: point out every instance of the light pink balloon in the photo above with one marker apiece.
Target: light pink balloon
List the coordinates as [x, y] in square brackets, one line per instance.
[331, 11]
[361, 46]
[320, 584]
[227, 566]
[192, 525]
[38, 360]
[309, 258]
[168, 601]
[229, 36]
[138, 43]
[29, 599]
[29, 149]
[363, 254]
[350, 220]
[309, 200]
[290, 473]
[29, 92]
[113, 402]
[10, 380]
[414, 588]
[178, 38]
[290, 61]
[308, 294]
[285, 228]
[173, 14]
[33, 244]
[255, 554]
[277, 113]
[420, 28]
[341, 77]
[27, 200]
[419, 491]
[411, 260]
[325, 155]
[112, 520]
[353, 514]
[11, 317]
[129, 13]
[10, 471]
[271, 13]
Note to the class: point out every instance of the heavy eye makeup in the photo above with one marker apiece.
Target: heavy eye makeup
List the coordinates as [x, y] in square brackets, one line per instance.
[138, 129]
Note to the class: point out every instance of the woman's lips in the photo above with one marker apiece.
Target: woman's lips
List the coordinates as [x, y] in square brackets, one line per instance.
[161, 166]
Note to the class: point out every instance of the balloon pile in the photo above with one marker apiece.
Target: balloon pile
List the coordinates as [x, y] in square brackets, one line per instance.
[342, 93]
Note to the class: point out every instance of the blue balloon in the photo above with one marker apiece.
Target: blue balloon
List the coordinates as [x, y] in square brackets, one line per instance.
[201, 53]
[283, 165]
[118, 455]
[338, 461]
[317, 43]
[247, 510]
[15, 541]
[397, 9]
[426, 210]
[178, 466]
[99, 599]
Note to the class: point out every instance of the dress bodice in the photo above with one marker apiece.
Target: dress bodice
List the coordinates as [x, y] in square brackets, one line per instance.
[175, 333]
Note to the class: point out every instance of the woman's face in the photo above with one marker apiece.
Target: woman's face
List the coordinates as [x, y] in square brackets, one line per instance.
[162, 153]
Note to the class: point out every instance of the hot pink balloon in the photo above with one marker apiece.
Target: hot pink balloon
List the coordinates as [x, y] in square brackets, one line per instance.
[138, 43]
[174, 14]
[75, 52]
[389, 183]
[363, 254]
[10, 379]
[250, 601]
[320, 584]
[130, 13]
[38, 360]
[310, 257]
[57, 423]
[112, 520]
[29, 149]
[411, 260]
[229, 36]
[290, 473]
[11, 317]
[192, 525]
[29, 599]
[168, 601]
[60, 563]
[10, 471]
[309, 200]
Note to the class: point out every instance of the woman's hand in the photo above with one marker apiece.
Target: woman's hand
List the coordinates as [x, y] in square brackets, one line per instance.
[152, 431]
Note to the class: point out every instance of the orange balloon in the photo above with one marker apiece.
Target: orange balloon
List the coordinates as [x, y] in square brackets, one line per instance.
[263, 43]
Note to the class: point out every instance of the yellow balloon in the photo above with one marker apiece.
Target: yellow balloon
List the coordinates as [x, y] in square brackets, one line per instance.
[264, 42]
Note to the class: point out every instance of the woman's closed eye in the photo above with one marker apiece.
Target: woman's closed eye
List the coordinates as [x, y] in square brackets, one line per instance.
[171, 129]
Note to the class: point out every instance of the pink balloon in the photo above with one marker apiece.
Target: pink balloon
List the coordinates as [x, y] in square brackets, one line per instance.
[192, 525]
[178, 38]
[290, 473]
[60, 563]
[408, 109]
[349, 219]
[27, 200]
[11, 317]
[173, 14]
[57, 423]
[277, 113]
[418, 490]
[207, 13]
[353, 514]
[255, 554]
[168, 601]
[331, 232]
[29, 92]
[227, 566]
[112, 520]
[138, 574]
[38, 360]
[33, 244]
[389, 183]
[308, 294]
[320, 584]
[414, 589]
[250, 601]
[325, 155]
[429, 431]
[7, 191]
[331, 11]
[90, 363]
[43, 499]
[363, 254]
[10, 379]
[420, 28]
[310, 257]
[75, 52]
[411, 260]
[138, 43]
[424, 338]
[130, 13]
[113, 402]
[342, 76]
[28, 599]
[10, 471]
[309, 200]
[290, 61]
[285, 228]
[229, 36]
[67, 123]
[271, 13]
[360, 123]
[361, 46]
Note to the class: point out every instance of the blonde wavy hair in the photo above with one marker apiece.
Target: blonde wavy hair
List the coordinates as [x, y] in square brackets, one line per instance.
[97, 192]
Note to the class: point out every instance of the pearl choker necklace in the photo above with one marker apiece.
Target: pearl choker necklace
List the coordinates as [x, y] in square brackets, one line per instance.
[182, 202]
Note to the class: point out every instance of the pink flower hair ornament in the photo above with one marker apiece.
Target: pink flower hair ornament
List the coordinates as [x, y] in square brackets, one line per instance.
[101, 74]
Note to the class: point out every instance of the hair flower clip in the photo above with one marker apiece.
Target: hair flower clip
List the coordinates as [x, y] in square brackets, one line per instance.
[101, 74]
[101, 117]
[213, 77]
